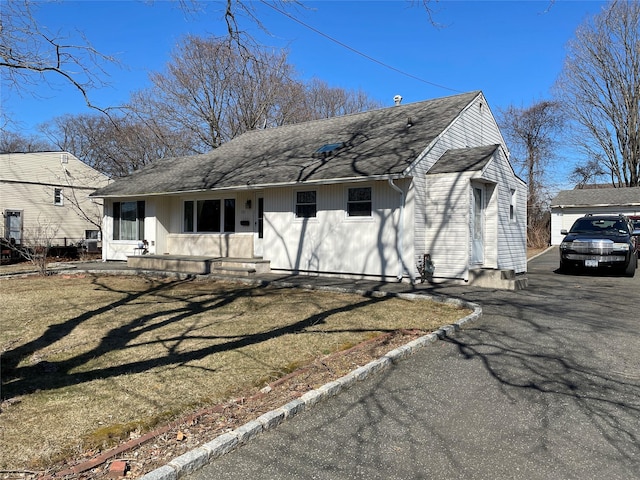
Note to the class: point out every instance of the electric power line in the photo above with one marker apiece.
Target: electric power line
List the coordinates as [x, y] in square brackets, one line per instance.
[328, 37]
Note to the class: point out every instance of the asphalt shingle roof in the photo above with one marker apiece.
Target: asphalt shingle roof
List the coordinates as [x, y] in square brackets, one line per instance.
[464, 159]
[597, 197]
[375, 143]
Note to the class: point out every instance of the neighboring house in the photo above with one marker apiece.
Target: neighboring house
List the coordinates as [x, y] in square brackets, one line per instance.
[44, 196]
[569, 205]
[364, 195]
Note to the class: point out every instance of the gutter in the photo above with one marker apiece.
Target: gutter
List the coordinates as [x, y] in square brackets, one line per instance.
[257, 186]
[400, 234]
[628, 204]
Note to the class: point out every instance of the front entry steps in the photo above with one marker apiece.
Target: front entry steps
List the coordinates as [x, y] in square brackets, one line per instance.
[499, 279]
[197, 265]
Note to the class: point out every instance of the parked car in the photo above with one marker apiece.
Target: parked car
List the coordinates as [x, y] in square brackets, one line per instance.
[635, 219]
[596, 241]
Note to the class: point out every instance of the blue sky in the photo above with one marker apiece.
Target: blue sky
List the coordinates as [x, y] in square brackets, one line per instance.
[511, 50]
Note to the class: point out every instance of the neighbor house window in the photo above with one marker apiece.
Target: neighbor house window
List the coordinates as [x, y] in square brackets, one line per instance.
[359, 202]
[128, 220]
[58, 199]
[512, 206]
[209, 216]
[306, 204]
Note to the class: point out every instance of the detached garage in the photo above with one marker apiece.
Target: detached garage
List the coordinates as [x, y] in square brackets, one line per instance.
[570, 205]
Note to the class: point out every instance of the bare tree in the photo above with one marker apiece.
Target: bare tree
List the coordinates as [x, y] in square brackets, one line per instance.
[31, 54]
[213, 90]
[35, 244]
[588, 173]
[324, 101]
[531, 133]
[600, 89]
[118, 145]
[209, 94]
[12, 142]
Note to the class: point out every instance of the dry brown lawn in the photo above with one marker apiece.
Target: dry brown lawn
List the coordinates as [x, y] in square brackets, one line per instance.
[89, 360]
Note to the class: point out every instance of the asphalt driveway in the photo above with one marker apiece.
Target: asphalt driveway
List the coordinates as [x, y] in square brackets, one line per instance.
[546, 385]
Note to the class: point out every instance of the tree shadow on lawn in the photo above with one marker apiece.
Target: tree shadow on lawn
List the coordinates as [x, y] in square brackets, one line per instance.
[570, 347]
[22, 380]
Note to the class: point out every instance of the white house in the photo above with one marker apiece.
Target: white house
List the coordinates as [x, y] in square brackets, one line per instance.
[365, 195]
[48, 192]
[569, 205]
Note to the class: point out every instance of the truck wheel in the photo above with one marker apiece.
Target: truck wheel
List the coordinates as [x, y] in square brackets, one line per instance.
[564, 267]
[631, 266]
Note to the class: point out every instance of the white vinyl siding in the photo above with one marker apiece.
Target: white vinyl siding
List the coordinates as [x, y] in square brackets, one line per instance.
[28, 182]
[333, 242]
[505, 241]
[509, 243]
[447, 234]
[317, 235]
[474, 127]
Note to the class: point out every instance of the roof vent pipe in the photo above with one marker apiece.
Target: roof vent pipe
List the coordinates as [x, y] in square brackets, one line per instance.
[397, 99]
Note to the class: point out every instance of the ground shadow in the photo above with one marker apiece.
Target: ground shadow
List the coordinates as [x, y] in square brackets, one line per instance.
[20, 379]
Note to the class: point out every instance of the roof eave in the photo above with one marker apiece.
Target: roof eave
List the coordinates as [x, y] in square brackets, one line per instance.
[261, 186]
[592, 205]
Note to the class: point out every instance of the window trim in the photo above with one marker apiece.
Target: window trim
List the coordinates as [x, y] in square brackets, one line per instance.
[349, 202]
[58, 196]
[513, 213]
[296, 204]
[117, 218]
[225, 207]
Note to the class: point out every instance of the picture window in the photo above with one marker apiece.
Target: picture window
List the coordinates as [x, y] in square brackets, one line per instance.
[209, 216]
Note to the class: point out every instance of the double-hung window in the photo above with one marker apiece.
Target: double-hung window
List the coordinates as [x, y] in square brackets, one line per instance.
[58, 198]
[306, 206]
[128, 220]
[209, 216]
[359, 202]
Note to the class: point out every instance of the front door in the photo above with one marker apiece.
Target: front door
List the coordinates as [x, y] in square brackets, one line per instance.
[477, 226]
[13, 226]
[259, 227]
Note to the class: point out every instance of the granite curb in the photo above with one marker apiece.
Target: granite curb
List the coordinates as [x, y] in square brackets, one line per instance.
[225, 443]
[197, 458]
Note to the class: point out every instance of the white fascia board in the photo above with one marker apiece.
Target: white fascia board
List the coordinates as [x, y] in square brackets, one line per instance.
[597, 205]
[262, 186]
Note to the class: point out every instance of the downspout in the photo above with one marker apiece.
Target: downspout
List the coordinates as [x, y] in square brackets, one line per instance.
[400, 234]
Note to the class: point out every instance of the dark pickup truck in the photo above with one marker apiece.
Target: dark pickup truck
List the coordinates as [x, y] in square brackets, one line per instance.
[600, 241]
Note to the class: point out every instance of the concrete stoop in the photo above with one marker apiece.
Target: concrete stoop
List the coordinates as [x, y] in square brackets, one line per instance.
[500, 279]
[239, 267]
